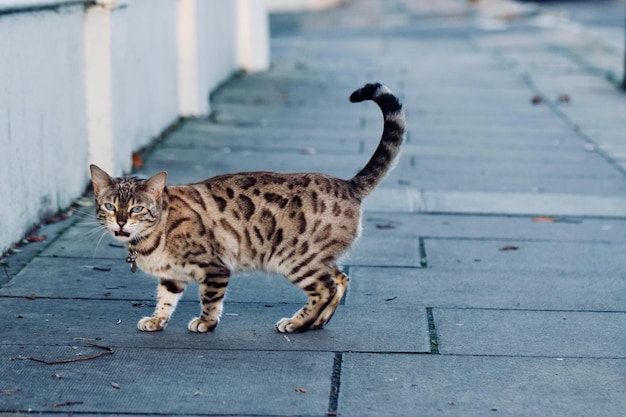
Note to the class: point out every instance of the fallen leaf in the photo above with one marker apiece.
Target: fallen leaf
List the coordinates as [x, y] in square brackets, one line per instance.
[101, 268]
[36, 238]
[385, 226]
[508, 247]
[55, 218]
[137, 161]
[197, 394]
[10, 391]
[536, 100]
[301, 390]
[115, 385]
[544, 219]
[391, 298]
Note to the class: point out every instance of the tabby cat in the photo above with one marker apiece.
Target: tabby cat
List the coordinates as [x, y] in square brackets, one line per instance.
[293, 224]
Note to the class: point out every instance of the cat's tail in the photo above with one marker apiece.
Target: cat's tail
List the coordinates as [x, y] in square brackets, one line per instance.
[383, 159]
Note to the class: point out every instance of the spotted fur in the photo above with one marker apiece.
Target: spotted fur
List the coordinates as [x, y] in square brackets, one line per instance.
[297, 225]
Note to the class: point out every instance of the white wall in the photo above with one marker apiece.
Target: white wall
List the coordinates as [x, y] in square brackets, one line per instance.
[82, 85]
[42, 124]
[287, 6]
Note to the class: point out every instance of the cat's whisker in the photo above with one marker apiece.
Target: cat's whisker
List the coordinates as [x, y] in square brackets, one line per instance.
[143, 241]
[104, 233]
[84, 213]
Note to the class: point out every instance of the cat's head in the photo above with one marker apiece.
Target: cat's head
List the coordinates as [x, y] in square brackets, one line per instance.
[129, 208]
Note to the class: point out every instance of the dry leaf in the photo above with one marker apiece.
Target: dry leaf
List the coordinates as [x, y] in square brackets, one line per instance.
[10, 391]
[508, 247]
[137, 161]
[536, 99]
[543, 219]
[55, 218]
[301, 390]
[36, 238]
[115, 385]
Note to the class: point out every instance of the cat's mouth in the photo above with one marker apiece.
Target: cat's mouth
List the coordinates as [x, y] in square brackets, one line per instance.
[121, 233]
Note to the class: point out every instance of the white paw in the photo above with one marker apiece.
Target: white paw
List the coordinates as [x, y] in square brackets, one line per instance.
[152, 324]
[199, 325]
[286, 325]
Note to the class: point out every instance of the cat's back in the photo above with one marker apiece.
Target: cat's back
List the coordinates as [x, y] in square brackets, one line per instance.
[245, 194]
[263, 216]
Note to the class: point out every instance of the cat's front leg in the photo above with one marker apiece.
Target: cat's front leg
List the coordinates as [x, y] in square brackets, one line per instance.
[168, 294]
[212, 291]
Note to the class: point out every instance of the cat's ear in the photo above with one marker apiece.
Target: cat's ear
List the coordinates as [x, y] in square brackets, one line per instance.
[99, 178]
[156, 184]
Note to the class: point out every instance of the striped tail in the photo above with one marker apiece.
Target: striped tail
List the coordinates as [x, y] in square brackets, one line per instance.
[383, 159]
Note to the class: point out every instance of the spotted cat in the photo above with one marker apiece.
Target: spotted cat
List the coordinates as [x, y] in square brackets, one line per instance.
[293, 224]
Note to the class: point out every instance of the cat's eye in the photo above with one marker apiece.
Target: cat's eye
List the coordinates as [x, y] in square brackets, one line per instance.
[109, 206]
[136, 209]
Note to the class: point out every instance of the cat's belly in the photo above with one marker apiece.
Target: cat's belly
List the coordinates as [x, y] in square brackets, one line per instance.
[162, 267]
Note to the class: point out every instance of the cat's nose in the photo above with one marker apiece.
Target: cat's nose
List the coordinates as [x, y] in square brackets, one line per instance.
[121, 223]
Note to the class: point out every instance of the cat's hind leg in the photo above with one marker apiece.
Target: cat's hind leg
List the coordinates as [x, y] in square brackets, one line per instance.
[168, 294]
[212, 291]
[320, 287]
[341, 281]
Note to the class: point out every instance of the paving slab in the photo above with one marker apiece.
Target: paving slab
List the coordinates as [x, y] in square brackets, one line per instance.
[466, 287]
[529, 183]
[245, 326]
[597, 258]
[394, 385]
[206, 382]
[531, 333]
[436, 201]
[392, 223]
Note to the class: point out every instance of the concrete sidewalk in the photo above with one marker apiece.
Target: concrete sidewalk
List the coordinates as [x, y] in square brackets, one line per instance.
[489, 279]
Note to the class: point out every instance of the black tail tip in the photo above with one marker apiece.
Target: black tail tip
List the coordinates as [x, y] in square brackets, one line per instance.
[367, 92]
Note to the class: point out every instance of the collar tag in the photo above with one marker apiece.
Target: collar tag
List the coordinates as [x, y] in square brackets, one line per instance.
[131, 258]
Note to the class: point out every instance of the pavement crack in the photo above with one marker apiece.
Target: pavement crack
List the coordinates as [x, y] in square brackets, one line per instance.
[335, 382]
[422, 253]
[432, 332]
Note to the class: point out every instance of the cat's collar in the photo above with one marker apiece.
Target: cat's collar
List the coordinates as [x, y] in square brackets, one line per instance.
[132, 254]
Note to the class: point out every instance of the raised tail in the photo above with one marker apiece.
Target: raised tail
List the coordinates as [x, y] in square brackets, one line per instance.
[382, 161]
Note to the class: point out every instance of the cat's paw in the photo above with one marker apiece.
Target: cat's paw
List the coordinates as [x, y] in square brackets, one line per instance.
[288, 325]
[152, 324]
[199, 325]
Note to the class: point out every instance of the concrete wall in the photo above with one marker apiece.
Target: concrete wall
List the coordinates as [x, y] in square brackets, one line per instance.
[90, 82]
[43, 152]
[287, 6]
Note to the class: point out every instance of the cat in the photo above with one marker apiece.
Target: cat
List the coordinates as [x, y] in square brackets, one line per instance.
[293, 224]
